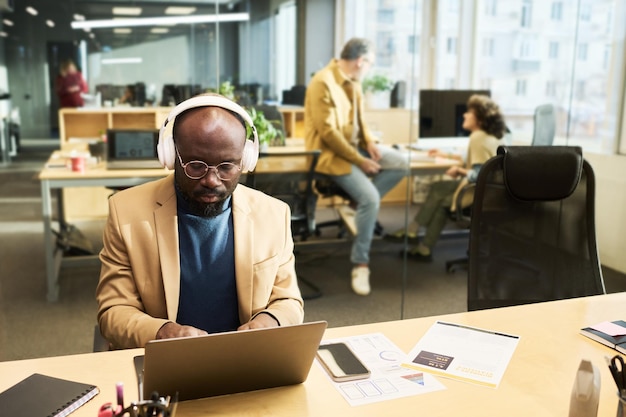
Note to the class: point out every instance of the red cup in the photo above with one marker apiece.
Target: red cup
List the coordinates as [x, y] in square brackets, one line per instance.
[78, 164]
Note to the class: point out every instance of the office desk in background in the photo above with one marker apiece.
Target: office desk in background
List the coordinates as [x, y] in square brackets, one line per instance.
[538, 381]
[58, 178]
[98, 176]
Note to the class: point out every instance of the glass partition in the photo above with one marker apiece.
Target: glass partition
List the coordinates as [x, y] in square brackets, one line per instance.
[524, 53]
[255, 53]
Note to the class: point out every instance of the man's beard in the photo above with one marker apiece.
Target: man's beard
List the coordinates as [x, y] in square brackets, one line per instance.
[203, 209]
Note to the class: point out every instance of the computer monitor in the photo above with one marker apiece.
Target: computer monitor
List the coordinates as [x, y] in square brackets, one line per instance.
[441, 112]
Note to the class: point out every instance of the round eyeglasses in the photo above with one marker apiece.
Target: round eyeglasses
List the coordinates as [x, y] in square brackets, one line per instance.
[196, 170]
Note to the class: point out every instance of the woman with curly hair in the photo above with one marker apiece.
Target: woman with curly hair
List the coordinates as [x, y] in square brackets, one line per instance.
[486, 125]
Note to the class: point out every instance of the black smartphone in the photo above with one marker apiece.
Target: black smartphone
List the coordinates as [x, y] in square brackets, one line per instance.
[341, 363]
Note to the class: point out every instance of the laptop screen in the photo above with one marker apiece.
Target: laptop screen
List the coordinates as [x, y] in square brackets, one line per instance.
[132, 148]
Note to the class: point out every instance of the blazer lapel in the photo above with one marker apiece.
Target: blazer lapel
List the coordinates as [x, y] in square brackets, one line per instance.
[166, 227]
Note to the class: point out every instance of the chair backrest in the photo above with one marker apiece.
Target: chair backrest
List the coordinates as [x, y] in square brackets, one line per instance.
[295, 189]
[532, 233]
[544, 125]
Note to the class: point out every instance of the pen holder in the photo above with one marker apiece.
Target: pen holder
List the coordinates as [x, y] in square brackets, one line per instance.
[621, 405]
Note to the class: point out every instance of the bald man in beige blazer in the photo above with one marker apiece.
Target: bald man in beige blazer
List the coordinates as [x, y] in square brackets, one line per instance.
[139, 288]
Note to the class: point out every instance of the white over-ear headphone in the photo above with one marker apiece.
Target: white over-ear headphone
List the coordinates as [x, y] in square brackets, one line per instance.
[166, 150]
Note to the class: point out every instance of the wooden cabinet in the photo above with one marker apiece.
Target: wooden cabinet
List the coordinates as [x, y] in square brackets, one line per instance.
[88, 124]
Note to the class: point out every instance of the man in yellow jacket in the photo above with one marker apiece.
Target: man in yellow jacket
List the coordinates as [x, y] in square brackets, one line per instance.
[333, 110]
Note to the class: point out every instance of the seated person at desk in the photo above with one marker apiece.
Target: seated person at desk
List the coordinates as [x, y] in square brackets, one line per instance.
[196, 252]
[333, 123]
[486, 125]
[128, 97]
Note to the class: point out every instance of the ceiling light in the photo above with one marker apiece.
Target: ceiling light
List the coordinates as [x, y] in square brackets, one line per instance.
[87, 29]
[122, 30]
[79, 17]
[32, 11]
[179, 10]
[111, 61]
[4, 34]
[7, 22]
[127, 11]
[152, 21]
[159, 30]
[50, 23]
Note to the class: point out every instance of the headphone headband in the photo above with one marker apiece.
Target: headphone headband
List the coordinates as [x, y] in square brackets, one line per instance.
[165, 147]
[208, 101]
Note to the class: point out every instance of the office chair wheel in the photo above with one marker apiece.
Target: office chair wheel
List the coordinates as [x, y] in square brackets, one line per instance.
[456, 264]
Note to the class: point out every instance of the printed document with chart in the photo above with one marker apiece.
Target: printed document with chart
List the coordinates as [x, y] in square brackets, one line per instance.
[388, 378]
[463, 353]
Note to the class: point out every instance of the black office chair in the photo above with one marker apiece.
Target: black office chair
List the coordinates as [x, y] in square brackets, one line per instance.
[532, 233]
[297, 191]
[544, 127]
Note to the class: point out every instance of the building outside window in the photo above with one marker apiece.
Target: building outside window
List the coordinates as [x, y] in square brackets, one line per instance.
[577, 64]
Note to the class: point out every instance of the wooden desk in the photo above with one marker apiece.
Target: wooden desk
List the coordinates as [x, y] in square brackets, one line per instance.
[537, 382]
[59, 178]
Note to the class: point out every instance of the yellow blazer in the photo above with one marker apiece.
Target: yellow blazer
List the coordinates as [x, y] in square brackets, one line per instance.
[328, 121]
[139, 283]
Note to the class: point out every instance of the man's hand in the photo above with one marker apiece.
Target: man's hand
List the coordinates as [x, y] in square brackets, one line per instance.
[374, 152]
[259, 322]
[171, 329]
[369, 166]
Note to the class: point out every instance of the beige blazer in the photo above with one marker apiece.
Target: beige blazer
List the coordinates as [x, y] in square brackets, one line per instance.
[139, 282]
[328, 123]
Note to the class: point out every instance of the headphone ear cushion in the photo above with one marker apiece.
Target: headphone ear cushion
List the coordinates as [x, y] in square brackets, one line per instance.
[166, 151]
[250, 155]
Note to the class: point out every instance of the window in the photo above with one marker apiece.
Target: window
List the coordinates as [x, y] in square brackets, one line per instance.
[553, 50]
[488, 47]
[556, 12]
[491, 7]
[413, 45]
[551, 88]
[526, 13]
[580, 89]
[585, 12]
[451, 46]
[522, 68]
[525, 49]
[582, 52]
[386, 16]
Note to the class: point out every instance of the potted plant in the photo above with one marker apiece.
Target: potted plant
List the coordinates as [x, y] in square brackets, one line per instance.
[377, 89]
[267, 132]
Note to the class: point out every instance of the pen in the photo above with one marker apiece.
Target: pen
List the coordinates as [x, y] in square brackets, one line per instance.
[119, 388]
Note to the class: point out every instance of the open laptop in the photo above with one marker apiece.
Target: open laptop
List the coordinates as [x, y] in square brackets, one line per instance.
[230, 362]
[132, 149]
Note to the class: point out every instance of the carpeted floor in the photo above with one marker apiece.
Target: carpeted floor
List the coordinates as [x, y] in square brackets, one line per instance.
[31, 327]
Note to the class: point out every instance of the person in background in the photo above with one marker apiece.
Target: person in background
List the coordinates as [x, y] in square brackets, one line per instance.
[129, 95]
[196, 252]
[70, 85]
[486, 125]
[333, 120]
